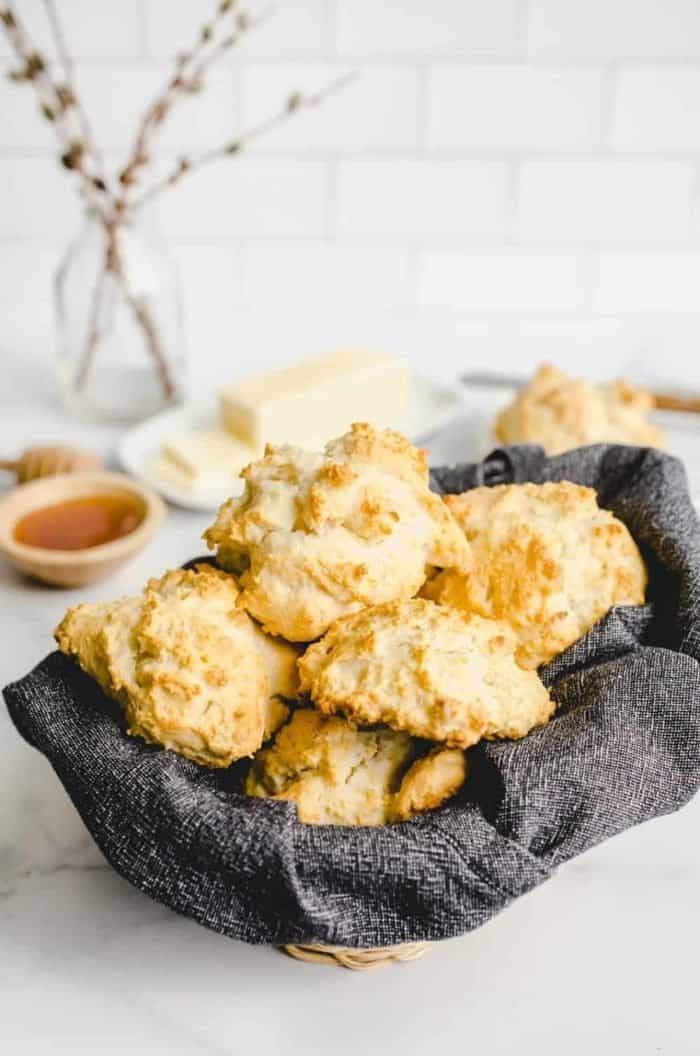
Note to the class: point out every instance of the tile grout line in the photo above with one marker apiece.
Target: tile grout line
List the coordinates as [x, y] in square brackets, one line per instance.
[332, 216]
[332, 26]
[514, 189]
[608, 98]
[523, 29]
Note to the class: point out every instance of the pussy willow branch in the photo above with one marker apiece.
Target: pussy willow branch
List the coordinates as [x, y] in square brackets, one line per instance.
[296, 102]
[80, 154]
[186, 78]
[56, 102]
[190, 68]
[113, 267]
[142, 313]
[93, 334]
[60, 101]
[68, 64]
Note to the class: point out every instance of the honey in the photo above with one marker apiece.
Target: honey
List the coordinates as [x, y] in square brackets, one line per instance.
[80, 523]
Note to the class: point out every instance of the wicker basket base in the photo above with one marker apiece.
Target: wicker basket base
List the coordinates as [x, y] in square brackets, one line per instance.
[357, 960]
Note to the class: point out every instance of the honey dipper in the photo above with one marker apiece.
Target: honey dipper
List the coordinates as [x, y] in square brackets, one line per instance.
[46, 461]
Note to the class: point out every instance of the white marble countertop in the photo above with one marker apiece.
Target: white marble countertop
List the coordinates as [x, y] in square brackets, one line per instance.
[601, 959]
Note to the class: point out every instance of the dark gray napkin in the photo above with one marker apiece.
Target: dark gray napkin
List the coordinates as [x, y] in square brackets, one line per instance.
[624, 747]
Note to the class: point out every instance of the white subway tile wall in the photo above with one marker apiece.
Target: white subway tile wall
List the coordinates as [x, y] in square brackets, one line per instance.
[611, 200]
[503, 181]
[432, 29]
[422, 200]
[515, 108]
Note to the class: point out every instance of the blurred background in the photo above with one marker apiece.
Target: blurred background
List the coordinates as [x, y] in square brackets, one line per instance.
[505, 181]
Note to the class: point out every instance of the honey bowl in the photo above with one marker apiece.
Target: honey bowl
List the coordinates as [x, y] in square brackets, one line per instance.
[74, 528]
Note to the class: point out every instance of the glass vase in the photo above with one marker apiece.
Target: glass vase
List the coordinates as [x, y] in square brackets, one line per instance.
[119, 322]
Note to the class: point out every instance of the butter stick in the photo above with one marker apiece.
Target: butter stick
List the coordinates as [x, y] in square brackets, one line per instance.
[203, 458]
[311, 402]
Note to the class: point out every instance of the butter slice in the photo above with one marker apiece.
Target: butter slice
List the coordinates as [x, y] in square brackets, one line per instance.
[204, 458]
[308, 404]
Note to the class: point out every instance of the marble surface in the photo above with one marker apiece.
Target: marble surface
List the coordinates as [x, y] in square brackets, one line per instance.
[602, 958]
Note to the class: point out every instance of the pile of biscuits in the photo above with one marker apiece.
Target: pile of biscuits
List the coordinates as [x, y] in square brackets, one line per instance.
[359, 631]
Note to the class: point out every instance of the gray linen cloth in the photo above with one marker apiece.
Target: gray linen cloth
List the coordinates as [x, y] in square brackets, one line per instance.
[623, 747]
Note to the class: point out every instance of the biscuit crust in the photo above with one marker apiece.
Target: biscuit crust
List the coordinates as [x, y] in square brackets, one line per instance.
[561, 413]
[336, 774]
[318, 536]
[548, 561]
[191, 670]
[425, 669]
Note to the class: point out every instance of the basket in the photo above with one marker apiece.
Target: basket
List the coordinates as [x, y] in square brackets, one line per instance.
[357, 960]
[623, 747]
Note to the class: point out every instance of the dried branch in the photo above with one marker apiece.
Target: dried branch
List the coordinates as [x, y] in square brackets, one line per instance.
[57, 102]
[94, 330]
[68, 64]
[61, 106]
[144, 317]
[295, 103]
[186, 79]
[113, 269]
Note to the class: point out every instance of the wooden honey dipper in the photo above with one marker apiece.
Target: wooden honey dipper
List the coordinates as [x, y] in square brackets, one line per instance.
[48, 460]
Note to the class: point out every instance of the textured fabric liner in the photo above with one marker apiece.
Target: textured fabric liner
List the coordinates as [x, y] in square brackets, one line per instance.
[623, 747]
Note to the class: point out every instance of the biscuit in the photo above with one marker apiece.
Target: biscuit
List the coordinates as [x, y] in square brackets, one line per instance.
[561, 413]
[548, 561]
[338, 775]
[318, 536]
[425, 669]
[430, 781]
[191, 670]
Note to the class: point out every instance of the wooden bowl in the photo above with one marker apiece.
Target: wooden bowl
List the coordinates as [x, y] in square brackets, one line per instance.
[75, 568]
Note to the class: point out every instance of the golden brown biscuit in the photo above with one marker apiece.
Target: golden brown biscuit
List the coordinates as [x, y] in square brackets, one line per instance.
[190, 668]
[548, 561]
[425, 669]
[562, 413]
[430, 781]
[317, 536]
[280, 662]
[338, 775]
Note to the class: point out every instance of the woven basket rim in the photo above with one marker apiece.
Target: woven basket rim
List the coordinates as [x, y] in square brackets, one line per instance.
[356, 959]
